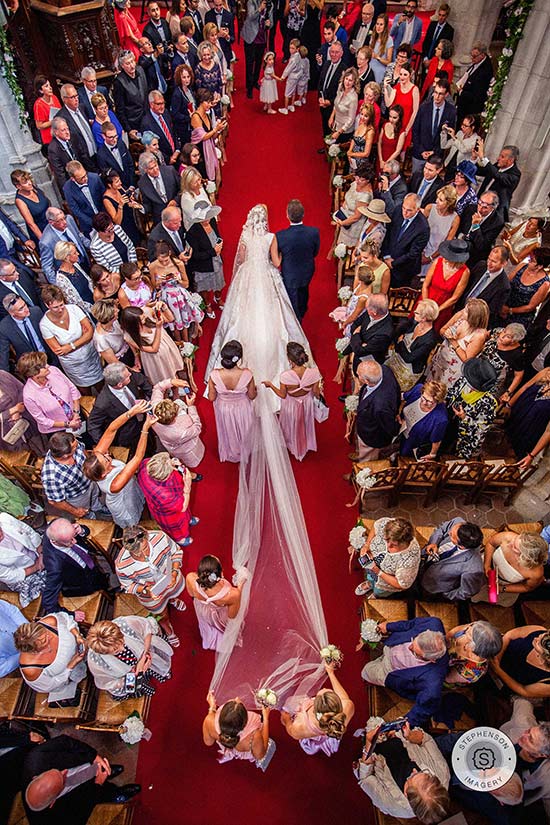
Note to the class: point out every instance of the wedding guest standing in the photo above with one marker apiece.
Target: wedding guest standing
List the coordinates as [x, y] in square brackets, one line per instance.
[166, 485]
[299, 385]
[151, 344]
[178, 424]
[48, 395]
[232, 390]
[215, 600]
[31, 202]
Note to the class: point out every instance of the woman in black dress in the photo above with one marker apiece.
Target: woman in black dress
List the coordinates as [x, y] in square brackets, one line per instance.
[31, 203]
[121, 205]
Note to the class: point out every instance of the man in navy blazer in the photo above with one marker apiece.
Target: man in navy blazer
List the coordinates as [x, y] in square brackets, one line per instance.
[379, 401]
[402, 248]
[223, 19]
[78, 190]
[437, 30]
[433, 114]
[154, 120]
[427, 182]
[372, 333]
[15, 281]
[12, 239]
[60, 227]
[298, 246]
[89, 88]
[16, 334]
[113, 154]
[414, 664]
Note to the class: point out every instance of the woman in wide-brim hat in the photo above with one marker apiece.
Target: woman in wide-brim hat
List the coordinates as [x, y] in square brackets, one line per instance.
[206, 264]
[375, 228]
[473, 405]
[464, 182]
[447, 278]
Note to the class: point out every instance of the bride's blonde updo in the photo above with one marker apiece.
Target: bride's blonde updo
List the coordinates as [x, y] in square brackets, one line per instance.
[329, 714]
[256, 220]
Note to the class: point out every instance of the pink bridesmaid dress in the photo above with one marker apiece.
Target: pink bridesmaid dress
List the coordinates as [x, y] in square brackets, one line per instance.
[234, 415]
[212, 618]
[253, 724]
[318, 741]
[296, 417]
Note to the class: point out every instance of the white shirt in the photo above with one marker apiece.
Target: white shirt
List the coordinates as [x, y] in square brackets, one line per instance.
[17, 549]
[409, 31]
[370, 389]
[6, 235]
[125, 396]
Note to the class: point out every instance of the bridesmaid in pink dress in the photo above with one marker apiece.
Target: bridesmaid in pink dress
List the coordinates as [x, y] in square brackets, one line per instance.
[319, 723]
[298, 386]
[232, 390]
[239, 733]
[215, 599]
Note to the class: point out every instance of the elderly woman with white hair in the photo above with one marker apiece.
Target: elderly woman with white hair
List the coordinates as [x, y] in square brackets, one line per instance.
[72, 280]
[178, 425]
[470, 647]
[149, 567]
[518, 560]
[504, 351]
[128, 645]
[166, 485]
[192, 192]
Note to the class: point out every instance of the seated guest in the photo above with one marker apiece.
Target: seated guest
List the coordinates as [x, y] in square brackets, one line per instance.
[84, 195]
[166, 485]
[447, 277]
[149, 567]
[122, 390]
[489, 281]
[110, 245]
[530, 416]
[113, 154]
[505, 352]
[390, 558]
[103, 115]
[65, 486]
[130, 94]
[414, 663]
[408, 235]
[51, 659]
[10, 619]
[473, 406]
[24, 435]
[73, 281]
[518, 559]
[452, 566]
[372, 335]
[20, 331]
[108, 336]
[159, 185]
[129, 644]
[480, 225]
[21, 564]
[502, 177]
[14, 281]
[48, 395]
[471, 647]
[60, 227]
[70, 567]
[406, 776]
[424, 420]
[531, 739]
[51, 788]
[523, 238]
[377, 410]
[415, 341]
[524, 662]
[529, 287]
[178, 425]
[464, 336]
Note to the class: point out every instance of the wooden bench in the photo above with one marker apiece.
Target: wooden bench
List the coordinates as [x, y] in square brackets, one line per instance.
[94, 606]
[500, 617]
[536, 613]
[36, 709]
[110, 713]
[103, 814]
[445, 611]
[30, 612]
[128, 605]
[12, 690]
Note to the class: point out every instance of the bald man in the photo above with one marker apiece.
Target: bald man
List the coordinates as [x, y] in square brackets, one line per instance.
[379, 399]
[171, 231]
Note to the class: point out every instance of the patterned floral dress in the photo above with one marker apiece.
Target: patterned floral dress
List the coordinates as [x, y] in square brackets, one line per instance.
[480, 414]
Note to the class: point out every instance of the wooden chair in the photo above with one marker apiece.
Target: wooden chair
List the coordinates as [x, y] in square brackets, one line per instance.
[384, 610]
[463, 475]
[386, 480]
[423, 534]
[108, 813]
[445, 611]
[128, 605]
[28, 477]
[536, 613]
[30, 258]
[401, 301]
[505, 478]
[93, 606]
[86, 406]
[523, 527]
[386, 703]
[110, 713]
[30, 612]
[422, 475]
[102, 536]
[501, 617]
[35, 707]
[12, 689]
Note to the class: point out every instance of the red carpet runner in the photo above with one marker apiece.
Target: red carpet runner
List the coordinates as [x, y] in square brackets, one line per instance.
[271, 159]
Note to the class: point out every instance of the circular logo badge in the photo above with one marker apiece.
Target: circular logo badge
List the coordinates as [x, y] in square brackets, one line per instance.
[484, 759]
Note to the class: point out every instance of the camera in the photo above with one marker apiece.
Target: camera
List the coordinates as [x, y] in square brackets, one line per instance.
[397, 724]
[184, 391]
[130, 682]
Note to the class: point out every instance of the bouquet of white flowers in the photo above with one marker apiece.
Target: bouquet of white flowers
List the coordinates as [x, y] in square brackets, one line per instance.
[333, 150]
[370, 633]
[344, 294]
[228, 76]
[357, 537]
[329, 140]
[210, 187]
[338, 181]
[340, 251]
[133, 730]
[341, 344]
[351, 403]
[266, 697]
[224, 99]
[189, 349]
[365, 479]
[241, 574]
[332, 655]
[197, 299]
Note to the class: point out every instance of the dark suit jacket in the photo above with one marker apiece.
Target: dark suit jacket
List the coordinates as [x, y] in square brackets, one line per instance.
[430, 193]
[203, 251]
[84, 101]
[58, 158]
[149, 124]
[423, 684]
[107, 407]
[472, 98]
[190, 59]
[406, 251]
[330, 92]
[77, 140]
[66, 576]
[159, 233]
[18, 236]
[446, 33]
[106, 160]
[80, 205]
[25, 283]
[370, 339]
[355, 31]
[228, 20]
[483, 239]
[130, 96]
[376, 413]
[10, 335]
[423, 138]
[394, 197]
[503, 183]
[181, 117]
[152, 202]
[195, 16]
[495, 293]
[60, 753]
[298, 246]
[147, 63]
[151, 31]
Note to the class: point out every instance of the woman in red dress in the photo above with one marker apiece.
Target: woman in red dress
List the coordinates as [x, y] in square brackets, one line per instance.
[441, 61]
[447, 278]
[405, 94]
[127, 27]
[392, 137]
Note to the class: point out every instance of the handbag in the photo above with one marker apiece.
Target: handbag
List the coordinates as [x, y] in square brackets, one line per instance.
[320, 409]
[15, 433]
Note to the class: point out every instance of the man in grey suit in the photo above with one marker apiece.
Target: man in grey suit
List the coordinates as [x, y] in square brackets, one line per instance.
[61, 227]
[452, 564]
[255, 30]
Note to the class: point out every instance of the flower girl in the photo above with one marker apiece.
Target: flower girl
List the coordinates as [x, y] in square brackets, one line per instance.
[268, 91]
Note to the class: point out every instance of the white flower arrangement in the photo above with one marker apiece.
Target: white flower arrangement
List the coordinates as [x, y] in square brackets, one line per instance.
[228, 76]
[341, 344]
[210, 187]
[338, 181]
[224, 99]
[340, 251]
[189, 349]
[351, 403]
[344, 294]
[370, 633]
[132, 729]
[266, 697]
[332, 655]
[329, 140]
[333, 150]
[365, 479]
[357, 537]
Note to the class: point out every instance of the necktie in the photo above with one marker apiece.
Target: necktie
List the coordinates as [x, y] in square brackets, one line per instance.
[33, 338]
[162, 86]
[129, 398]
[18, 289]
[328, 77]
[404, 227]
[448, 553]
[435, 121]
[177, 240]
[85, 131]
[435, 38]
[117, 157]
[157, 183]
[480, 286]
[83, 555]
[88, 195]
[166, 131]
[422, 188]
[69, 149]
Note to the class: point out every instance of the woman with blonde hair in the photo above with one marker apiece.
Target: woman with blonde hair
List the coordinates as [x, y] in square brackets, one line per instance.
[464, 336]
[518, 559]
[319, 723]
[71, 279]
[166, 484]
[178, 424]
[342, 119]
[368, 253]
[363, 138]
[416, 339]
[443, 222]
[210, 34]
[192, 192]
[103, 115]
[108, 335]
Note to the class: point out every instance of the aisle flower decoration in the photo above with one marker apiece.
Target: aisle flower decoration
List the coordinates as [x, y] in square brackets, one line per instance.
[333, 150]
[341, 344]
[133, 730]
[224, 100]
[229, 74]
[370, 634]
[344, 294]
[210, 187]
[332, 655]
[364, 479]
[267, 698]
[351, 403]
[329, 140]
[340, 250]
[197, 299]
[357, 537]
[189, 349]
[338, 181]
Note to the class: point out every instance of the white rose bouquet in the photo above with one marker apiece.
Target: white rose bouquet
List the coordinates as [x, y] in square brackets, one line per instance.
[332, 655]
[338, 181]
[333, 150]
[341, 344]
[365, 479]
[340, 251]
[266, 697]
[133, 730]
[370, 633]
[344, 294]
[357, 537]
[210, 187]
[224, 99]
[189, 349]
[351, 403]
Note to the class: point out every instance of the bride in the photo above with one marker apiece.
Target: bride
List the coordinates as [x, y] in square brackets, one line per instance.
[257, 311]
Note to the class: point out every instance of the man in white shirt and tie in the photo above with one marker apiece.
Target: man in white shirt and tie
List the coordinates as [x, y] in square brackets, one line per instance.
[78, 125]
[122, 390]
[113, 154]
[438, 30]
[427, 182]
[489, 282]
[328, 83]
[18, 283]
[170, 231]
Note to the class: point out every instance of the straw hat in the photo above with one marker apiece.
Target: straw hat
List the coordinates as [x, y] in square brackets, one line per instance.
[376, 210]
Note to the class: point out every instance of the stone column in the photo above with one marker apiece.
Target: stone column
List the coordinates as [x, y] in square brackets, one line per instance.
[472, 20]
[524, 117]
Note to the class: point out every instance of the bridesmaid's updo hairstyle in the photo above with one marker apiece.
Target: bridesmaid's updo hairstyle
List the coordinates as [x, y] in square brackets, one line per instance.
[231, 354]
[209, 572]
[296, 353]
[329, 713]
[233, 718]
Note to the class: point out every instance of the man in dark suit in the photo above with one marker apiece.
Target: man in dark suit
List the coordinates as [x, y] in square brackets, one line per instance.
[223, 19]
[62, 150]
[61, 227]
[130, 94]
[122, 390]
[502, 177]
[402, 248]
[372, 333]
[84, 195]
[298, 246]
[171, 231]
[157, 29]
[195, 15]
[79, 126]
[12, 239]
[113, 154]
[480, 225]
[56, 789]
[20, 331]
[379, 400]
[427, 182]
[14, 281]
[155, 66]
[185, 53]
[437, 30]
[159, 186]
[433, 114]
[159, 121]
[88, 89]
[362, 30]
[392, 188]
[489, 282]
[474, 84]
[329, 79]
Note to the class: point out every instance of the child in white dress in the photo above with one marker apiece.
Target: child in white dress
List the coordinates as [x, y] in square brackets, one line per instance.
[268, 88]
[293, 75]
[303, 84]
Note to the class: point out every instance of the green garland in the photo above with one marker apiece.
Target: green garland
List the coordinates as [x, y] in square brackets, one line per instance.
[7, 67]
[517, 19]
